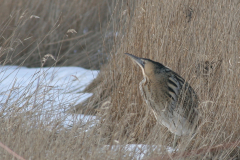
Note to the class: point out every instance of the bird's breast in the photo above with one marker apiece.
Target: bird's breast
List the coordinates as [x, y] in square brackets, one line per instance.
[154, 96]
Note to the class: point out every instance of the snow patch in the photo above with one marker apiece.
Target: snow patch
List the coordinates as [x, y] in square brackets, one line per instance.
[52, 91]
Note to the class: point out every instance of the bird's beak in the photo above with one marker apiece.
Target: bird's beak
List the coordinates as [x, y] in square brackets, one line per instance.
[136, 59]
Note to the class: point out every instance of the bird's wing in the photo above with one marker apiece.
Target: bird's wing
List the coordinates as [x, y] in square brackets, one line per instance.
[181, 93]
[174, 89]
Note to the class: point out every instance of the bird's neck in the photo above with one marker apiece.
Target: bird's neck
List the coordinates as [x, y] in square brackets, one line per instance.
[141, 85]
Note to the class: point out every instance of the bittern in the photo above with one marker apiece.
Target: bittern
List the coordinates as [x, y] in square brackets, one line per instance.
[171, 99]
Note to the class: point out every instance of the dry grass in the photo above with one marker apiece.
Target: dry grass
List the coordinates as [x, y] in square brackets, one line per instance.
[197, 39]
[73, 32]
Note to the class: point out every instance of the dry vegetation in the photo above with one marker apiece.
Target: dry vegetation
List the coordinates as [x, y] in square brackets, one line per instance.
[197, 39]
[32, 29]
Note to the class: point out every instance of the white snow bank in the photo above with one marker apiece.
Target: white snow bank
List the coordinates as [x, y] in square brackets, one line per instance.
[51, 91]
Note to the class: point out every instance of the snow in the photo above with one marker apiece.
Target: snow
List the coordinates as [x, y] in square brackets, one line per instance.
[52, 90]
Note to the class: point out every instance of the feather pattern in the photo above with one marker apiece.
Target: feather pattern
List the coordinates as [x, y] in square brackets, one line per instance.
[172, 100]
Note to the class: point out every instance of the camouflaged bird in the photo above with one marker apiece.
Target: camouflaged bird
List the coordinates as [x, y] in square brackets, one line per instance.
[171, 99]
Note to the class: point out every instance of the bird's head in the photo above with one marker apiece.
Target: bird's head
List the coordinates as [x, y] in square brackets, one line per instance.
[149, 67]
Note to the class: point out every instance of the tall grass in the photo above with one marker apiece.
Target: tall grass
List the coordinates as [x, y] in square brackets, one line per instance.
[32, 29]
[197, 39]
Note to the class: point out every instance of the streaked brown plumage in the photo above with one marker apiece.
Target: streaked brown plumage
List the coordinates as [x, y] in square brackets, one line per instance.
[172, 100]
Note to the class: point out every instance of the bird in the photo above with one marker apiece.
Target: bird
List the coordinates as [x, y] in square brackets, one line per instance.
[172, 100]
